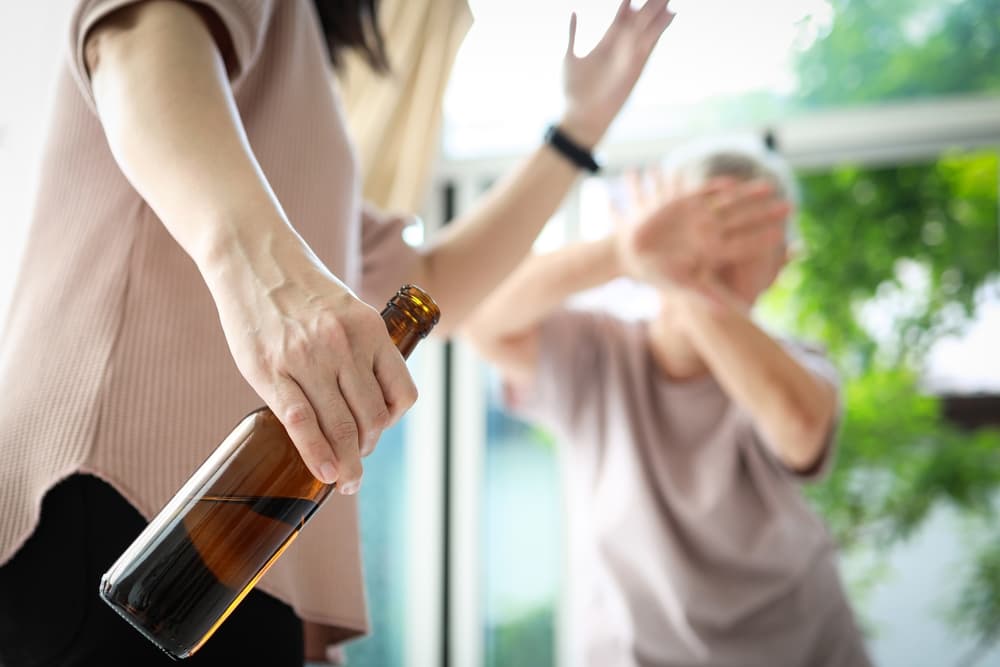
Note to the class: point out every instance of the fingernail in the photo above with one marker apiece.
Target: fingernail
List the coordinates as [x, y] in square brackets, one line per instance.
[350, 488]
[328, 473]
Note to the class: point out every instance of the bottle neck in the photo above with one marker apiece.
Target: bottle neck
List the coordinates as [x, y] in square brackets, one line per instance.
[409, 316]
[405, 333]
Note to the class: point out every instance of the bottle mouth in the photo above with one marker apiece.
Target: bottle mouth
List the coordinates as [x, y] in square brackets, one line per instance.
[419, 305]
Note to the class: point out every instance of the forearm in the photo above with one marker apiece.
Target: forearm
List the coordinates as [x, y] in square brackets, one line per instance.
[165, 102]
[790, 406]
[540, 285]
[477, 251]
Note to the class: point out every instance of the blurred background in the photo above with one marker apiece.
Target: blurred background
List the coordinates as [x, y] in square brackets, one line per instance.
[889, 110]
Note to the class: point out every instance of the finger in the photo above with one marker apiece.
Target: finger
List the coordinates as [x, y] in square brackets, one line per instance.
[728, 202]
[752, 244]
[571, 47]
[651, 11]
[756, 214]
[673, 183]
[714, 188]
[364, 397]
[394, 377]
[617, 206]
[654, 30]
[661, 189]
[624, 12]
[341, 430]
[296, 414]
[634, 189]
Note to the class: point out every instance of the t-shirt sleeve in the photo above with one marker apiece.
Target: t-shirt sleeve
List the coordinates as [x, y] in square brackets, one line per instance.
[245, 21]
[815, 361]
[386, 258]
[572, 364]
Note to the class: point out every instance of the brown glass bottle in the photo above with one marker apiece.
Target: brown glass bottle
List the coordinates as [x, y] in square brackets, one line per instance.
[232, 519]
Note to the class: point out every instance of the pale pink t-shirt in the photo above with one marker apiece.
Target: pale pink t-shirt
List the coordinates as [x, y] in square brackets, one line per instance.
[693, 541]
[113, 361]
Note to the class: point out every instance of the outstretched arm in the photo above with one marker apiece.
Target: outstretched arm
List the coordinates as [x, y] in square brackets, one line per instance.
[505, 330]
[470, 257]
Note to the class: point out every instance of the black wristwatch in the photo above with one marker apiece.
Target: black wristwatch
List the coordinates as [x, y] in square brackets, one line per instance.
[571, 150]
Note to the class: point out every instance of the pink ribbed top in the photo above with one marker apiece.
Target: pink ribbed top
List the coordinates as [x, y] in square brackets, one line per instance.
[113, 361]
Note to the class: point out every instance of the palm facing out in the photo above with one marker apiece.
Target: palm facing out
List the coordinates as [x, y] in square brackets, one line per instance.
[597, 84]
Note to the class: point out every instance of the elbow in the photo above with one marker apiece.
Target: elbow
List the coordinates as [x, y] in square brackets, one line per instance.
[807, 434]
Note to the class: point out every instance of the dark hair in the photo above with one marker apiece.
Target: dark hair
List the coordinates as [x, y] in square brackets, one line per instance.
[352, 24]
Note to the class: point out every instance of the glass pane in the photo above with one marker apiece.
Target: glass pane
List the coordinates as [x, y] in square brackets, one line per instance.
[722, 64]
[384, 544]
[522, 542]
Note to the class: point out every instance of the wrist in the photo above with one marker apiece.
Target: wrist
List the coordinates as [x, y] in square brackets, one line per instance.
[609, 257]
[710, 302]
[257, 249]
[239, 234]
[618, 257]
[580, 157]
[585, 132]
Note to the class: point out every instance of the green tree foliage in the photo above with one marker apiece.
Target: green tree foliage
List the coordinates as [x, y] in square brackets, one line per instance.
[910, 247]
[898, 456]
[528, 637]
[878, 50]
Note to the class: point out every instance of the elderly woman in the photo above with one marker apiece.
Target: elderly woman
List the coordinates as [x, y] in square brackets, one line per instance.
[689, 432]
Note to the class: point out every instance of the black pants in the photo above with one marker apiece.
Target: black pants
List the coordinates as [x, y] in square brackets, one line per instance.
[50, 612]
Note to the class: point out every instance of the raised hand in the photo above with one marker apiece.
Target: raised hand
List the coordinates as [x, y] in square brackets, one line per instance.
[597, 85]
[671, 239]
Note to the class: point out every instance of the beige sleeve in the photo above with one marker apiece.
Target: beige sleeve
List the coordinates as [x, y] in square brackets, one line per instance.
[570, 375]
[246, 21]
[386, 259]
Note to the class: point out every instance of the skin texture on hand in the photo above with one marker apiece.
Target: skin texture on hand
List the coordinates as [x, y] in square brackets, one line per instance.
[319, 357]
[684, 240]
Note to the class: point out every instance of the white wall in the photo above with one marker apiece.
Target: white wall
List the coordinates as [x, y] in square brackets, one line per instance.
[32, 43]
[907, 609]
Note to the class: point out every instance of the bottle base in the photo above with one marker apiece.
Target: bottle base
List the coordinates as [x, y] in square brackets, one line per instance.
[126, 614]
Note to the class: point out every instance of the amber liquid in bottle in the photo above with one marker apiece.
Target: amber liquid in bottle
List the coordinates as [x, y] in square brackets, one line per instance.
[212, 542]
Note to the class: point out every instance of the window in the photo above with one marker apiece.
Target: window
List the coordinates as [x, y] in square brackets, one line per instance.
[721, 65]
